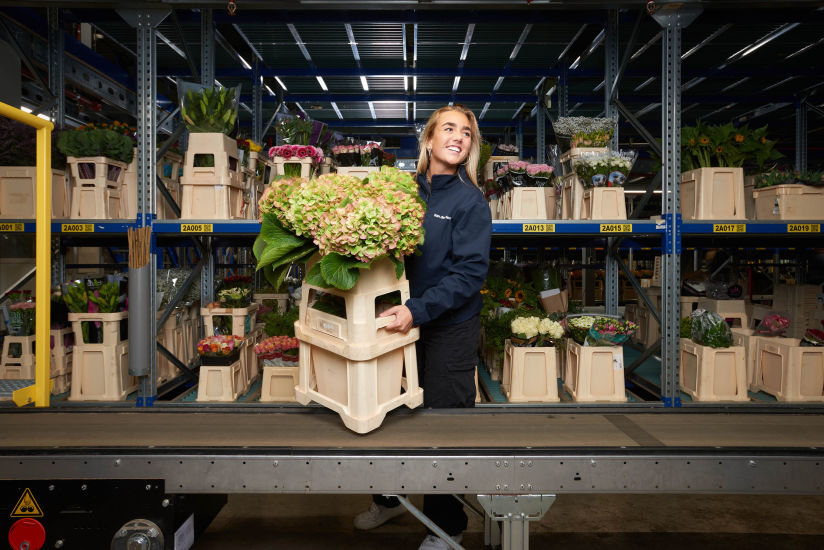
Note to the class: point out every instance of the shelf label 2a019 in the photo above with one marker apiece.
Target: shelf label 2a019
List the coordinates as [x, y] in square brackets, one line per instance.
[803, 228]
[539, 228]
[729, 228]
[195, 228]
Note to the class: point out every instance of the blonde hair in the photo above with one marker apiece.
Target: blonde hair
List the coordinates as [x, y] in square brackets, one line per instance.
[474, 156]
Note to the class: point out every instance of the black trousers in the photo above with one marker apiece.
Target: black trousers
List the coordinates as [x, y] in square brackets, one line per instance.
[447, 357]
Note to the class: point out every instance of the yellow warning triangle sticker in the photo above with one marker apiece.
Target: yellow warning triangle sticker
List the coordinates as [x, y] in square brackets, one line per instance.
[26, 506]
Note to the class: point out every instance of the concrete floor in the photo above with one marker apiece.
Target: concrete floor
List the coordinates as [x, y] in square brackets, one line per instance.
[675, 522]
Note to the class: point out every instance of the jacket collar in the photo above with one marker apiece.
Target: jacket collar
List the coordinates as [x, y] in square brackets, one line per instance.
[440, 181]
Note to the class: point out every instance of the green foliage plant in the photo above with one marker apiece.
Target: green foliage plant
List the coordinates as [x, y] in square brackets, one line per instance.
[96, 142]
[210, 110]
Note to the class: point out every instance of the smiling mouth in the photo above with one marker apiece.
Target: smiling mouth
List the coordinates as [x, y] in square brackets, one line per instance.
[454, 149]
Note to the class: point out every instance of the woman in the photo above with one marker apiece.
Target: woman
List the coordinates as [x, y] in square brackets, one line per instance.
[445, 283]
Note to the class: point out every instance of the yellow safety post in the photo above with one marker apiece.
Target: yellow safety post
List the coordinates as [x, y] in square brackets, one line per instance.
[42, 284]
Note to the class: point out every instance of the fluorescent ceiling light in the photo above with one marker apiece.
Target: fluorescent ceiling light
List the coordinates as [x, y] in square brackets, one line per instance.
[337, 111]
[640, 191]
[414, 110]
[571, 42]
[706, 41]
[647, 109]
[805, 48]
[518, 110]
[372, 109]
[645, 83]
[538, 85]
[415, 45]
[244, 62]
[484, 110]
[25, 109]
[779, 83]
[403, 34]
[574, 107]
[469, 30]
[455, 84]
[720, 109]
[322, 83]
[282, 85]
[406, 84]
[692, 83]
[300, 107]
[171, 45]
[270, 90]
[647, 46]
[364, 83]
[598, 40]
[498, 83]
[521, 40]
[550, 91]
[736, 83]
[599, 86]
[575, 63]
[766, 39]
[414, 83]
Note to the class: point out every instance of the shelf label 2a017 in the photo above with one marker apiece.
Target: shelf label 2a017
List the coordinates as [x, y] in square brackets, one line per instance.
[729, 228]
[803, 228]
[539, 228]
[195, 228]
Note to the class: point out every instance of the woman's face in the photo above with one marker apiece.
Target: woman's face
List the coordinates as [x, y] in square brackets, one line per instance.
[449, 143]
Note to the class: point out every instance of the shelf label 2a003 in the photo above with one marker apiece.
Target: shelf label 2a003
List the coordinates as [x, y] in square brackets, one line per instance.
[803, 228]
[538, 228]
[77, 228]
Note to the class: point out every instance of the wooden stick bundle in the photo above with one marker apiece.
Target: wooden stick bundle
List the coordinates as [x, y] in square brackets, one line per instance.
[139, 246]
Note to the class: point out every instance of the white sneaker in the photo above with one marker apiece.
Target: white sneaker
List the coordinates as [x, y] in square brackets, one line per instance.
[431, 542]
[376, 515]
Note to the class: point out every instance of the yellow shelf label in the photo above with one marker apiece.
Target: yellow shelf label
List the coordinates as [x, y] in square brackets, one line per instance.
[14, 227]
[803, 228]
[539, 228]
[195, 228]
[77, 228]
[729, 228]
[616, 228]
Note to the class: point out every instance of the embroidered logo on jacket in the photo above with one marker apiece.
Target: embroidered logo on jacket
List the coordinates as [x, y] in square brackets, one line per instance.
[442, 217]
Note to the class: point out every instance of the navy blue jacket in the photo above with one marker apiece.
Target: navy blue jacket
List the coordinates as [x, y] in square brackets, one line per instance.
[446, 279]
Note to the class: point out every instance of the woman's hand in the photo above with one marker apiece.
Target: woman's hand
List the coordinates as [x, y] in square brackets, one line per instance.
[403, 319]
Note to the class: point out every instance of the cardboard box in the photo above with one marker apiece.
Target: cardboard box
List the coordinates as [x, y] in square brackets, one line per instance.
[554, 300]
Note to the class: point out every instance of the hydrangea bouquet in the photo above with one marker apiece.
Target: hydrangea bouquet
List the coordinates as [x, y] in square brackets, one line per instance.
[350, 222]
[531, 331]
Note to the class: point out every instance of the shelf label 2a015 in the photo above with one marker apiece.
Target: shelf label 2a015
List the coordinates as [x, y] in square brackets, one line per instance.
[11, 227]
[729, 228]
[803, 228]
[616, 228]
[539, 228]
[196, 228]
[77, 228]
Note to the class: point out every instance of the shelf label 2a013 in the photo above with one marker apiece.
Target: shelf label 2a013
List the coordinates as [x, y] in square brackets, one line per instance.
[729, 228]
[803, 228]
[196, 228]
[538, 228]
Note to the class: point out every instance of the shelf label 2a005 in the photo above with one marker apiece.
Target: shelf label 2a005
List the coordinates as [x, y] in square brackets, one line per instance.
[803, 228]
[729, 228]
[195, 228]
[538, 228]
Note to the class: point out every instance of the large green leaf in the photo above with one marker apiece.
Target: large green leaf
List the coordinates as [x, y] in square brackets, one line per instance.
[298, 255]
[399, 267]
[257, 248]
[279, 241]
[341, 271]
[315, 278]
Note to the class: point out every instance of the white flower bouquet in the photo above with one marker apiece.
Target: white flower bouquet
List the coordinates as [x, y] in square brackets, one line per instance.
[586, 131]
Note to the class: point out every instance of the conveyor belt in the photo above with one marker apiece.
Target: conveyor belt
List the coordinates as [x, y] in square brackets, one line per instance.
[422, 451]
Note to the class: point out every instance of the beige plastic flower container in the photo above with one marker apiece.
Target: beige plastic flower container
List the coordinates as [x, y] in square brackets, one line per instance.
[243, 318]
[129, 190]
[749, 200]
[216, 192]
[530, 375]
[713, 194]
[746, 338]
[788, 371]
[100, 196]
[100, 372]
[713, 374]
[572, 194]
[789, 202]
[649, 330]
[61, 383]
[220, 383]
[360, 335]
[61, 354]
[281, 299]
[18, 368]
[278, 384]
[595, 373]
[604, 203]
[533, 203]
[727, 309]
[568, 158]
[17, 193]
[357, 171]
[306, 164]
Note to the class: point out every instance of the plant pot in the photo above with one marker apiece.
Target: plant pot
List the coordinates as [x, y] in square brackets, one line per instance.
[523, 342]
[220, 361]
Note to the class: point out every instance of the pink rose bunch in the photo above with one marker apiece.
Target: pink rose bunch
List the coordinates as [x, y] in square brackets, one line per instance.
[297, 152]
[539, 170]
[518, 167]
[274, 346]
